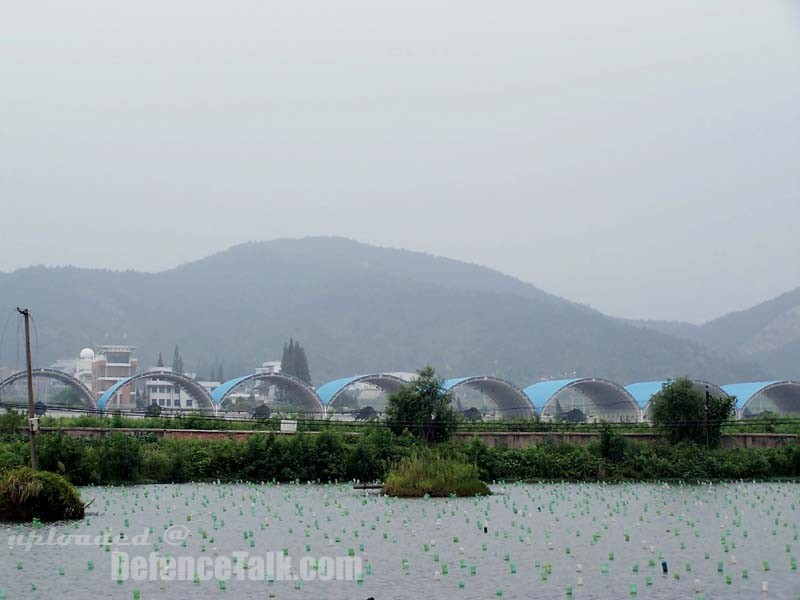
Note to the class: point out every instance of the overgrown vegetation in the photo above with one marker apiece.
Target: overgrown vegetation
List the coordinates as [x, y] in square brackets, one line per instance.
[11, 421]
[328, 456]
[26, 494]
[431, 475]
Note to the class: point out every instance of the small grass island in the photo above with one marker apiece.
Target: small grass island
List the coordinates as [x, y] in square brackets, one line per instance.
[26, 495]
[419, 476]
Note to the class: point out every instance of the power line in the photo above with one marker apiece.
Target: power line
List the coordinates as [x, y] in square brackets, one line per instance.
[11, 313]
[493, 426]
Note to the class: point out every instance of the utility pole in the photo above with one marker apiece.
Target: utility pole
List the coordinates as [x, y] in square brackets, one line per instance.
[33, 422]
[708, 422]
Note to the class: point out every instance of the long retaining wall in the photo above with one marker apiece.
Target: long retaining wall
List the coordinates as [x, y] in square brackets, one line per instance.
[517, 439]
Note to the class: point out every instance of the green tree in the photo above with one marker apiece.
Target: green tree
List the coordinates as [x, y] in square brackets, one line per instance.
[423, 407]
[177, 361]
[288, 358]
[294, 361]
[684, 413]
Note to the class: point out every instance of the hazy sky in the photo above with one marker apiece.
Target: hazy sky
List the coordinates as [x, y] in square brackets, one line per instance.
[641, 157]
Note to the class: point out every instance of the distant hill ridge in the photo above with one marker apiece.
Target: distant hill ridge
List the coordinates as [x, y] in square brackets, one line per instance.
[356, 308]
[768, 334]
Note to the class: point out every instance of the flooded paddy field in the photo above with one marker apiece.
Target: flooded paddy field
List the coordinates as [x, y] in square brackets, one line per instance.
[551, 541]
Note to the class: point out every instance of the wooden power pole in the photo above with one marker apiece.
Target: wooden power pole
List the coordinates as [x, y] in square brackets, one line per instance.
[33, 424]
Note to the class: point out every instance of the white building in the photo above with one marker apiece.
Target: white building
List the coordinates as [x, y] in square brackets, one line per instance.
[270, 367]
[168, 395]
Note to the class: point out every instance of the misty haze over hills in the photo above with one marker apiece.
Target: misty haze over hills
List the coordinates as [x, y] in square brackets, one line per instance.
[358, 308]
[768, 334]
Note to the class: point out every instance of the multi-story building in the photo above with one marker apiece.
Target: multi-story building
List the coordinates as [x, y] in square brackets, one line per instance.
[113, 364]
[160, 391]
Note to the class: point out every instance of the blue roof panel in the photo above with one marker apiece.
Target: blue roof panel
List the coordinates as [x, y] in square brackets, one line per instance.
[109, 393]
[745, 391]
[449, 384]
[219, 392]
[541, 392]
[328, 391]
[644, 390]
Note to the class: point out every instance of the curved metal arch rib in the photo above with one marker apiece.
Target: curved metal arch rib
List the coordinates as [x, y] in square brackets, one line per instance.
[310, 399]
[604, 394]
[86, 394]
[197, 391]
[782, 396]
[511, 401]
[644, 391]
[329, 392]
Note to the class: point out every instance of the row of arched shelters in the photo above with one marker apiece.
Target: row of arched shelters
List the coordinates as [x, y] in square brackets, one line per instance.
[576, 399]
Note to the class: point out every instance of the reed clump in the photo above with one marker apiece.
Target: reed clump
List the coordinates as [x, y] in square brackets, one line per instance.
[417, 476]
[26, 494]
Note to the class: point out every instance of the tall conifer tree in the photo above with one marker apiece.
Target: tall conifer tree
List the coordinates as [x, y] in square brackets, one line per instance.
[294, 361]
[177, 361]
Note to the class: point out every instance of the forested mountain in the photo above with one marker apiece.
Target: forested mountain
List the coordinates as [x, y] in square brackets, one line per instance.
[355, 308]
[767, 334]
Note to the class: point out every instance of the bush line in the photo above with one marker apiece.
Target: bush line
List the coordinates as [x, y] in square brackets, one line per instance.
[331, 456]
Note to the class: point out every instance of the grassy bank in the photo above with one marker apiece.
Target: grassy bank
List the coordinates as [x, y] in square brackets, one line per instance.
[329, 456]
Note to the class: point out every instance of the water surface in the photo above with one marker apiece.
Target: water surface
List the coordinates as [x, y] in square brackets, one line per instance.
[586, 537]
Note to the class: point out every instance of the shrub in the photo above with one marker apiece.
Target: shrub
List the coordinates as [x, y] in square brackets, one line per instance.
[121, 457]
[26, 494]
[13, 454]
[330, 456]
[612, 444]
[260, 457]
[11, 421]
[72, 457]
[478, 454]
[369, 458]
[157, 464]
